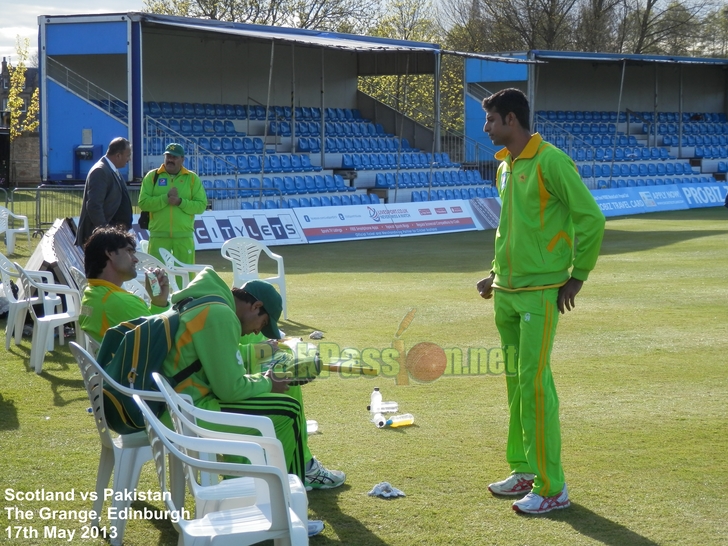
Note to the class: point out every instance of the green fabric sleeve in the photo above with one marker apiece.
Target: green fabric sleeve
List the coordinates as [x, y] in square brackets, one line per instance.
[221, 360]
[563, 180]
[147, 201]
[198, 203]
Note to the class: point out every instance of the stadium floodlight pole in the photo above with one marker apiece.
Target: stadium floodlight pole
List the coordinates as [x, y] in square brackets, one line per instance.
[323, 117]
[265, 124]
[436, 106]
[616, 125]
[401, 127]
[680, 115]
[293, 97]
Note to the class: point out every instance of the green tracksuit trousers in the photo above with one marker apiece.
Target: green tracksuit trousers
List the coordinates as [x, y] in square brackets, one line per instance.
[288, 421]
[182, 248]
[527, 321]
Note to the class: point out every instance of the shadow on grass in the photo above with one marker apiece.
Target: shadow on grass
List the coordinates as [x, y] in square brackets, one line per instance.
[296, 329]
[348, 529]
[8, 415]
[622, 242]
[599, 528]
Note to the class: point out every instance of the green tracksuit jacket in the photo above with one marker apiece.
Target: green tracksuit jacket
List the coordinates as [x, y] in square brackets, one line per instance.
[164, 219]
[105, 305]
[545, 208]
[211, 333]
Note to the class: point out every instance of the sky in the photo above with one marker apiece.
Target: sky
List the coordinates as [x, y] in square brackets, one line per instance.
[20, 17]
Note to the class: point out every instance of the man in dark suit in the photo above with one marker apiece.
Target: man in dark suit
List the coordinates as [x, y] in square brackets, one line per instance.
[106, 200]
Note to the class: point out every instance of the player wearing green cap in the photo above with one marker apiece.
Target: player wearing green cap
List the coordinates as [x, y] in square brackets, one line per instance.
[172, 195]
[211, 334]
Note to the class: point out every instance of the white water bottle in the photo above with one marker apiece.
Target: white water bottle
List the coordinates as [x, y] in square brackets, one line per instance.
[379, 420]
[375, 401]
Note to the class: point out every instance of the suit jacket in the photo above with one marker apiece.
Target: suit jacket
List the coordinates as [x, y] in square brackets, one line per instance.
[105, 201]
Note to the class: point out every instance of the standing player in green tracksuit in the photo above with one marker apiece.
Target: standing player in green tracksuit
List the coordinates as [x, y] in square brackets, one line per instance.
[172, 195]
[549, 222]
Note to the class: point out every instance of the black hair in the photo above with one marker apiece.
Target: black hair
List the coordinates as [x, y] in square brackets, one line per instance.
[509, 100]
[117, 146]
[247, 297]
[104, 239]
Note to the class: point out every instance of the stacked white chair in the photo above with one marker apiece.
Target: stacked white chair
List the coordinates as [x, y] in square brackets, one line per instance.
[244, 253]
[10, 233]
[122, 454]
[270, 517]
[210, 495]
[43, 326]
[18, 305]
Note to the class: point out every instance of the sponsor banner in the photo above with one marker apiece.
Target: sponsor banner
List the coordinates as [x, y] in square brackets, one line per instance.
[639, 199]
[375, 221]
[214, 227]
[704, 195]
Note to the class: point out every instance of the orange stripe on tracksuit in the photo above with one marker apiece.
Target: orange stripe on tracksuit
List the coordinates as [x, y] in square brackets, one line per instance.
[527, 321]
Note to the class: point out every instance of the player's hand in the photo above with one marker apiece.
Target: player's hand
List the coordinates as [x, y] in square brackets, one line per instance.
[279, 384]
[485, 287]
[567, 295]
[173, 197]
[163, 280]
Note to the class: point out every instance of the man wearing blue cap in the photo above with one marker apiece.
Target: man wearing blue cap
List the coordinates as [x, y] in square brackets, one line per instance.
[172, 195]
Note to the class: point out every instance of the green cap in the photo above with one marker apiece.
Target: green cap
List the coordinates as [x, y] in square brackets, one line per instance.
[175, 149]
[272, 302]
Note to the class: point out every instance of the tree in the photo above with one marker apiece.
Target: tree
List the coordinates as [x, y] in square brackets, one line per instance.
[656, 27]
[714, 39]
[21, 119]
[337, 15]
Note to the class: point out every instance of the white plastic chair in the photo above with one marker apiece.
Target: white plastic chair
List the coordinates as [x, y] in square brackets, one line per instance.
[137, 288]
[122, 454]
[5, 216]
[244, 253]
[18, 306]
[79, 278]
[147, 261]
[43, 326]
[271, 517]
[185, 271]
[209, 495]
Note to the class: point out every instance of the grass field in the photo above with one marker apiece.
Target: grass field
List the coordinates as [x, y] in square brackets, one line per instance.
[640, 366]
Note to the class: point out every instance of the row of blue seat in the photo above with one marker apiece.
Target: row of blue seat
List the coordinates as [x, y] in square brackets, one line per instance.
[568, 115]
[280, 185]
[205, 165]
[711, 152]
[456, 193]
[422, 179]
[637, 153]
[242, 111]
[693, 128]
[194, 127]
[695, 140]
[671, 117]
[167, 110]
[314, 201]
[415, 160]
[577, 128]
[635, 182]
[343, 145]
[225, 145]
[590, 141]
[331, 129]
[664, 168]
